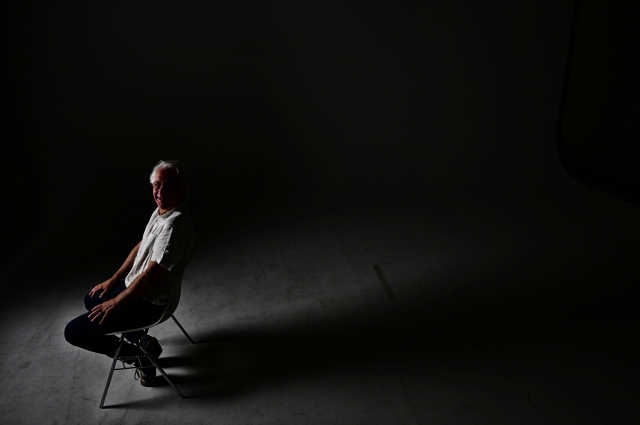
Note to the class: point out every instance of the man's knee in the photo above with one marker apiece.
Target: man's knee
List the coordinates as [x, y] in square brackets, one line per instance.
[70, 334]
[89, 302]
[75, 332]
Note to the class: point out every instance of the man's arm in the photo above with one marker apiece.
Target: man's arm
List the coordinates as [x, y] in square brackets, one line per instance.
[152, 274]
[106, 286]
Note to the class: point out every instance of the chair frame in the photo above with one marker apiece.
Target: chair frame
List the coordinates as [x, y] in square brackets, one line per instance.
[146, 354]
[172, 304]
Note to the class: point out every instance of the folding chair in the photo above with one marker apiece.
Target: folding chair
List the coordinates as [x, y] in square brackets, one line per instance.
[172, 304]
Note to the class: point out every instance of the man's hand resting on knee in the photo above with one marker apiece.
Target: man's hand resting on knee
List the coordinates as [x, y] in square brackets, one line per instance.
[104, 310]
[103, 288]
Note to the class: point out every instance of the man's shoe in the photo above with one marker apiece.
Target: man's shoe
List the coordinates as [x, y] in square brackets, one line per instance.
[151, 344]
[147, 376]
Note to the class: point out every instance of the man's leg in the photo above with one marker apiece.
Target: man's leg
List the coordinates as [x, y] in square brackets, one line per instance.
[89, 335]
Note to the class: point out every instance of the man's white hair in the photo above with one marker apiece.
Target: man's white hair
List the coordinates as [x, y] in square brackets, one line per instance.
[181, 169]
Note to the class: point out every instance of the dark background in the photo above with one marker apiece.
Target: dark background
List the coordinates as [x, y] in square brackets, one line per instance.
[272, 104]
[453, 106]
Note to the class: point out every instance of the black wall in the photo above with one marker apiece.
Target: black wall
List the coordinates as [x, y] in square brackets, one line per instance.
[271, 103]
[598, 131]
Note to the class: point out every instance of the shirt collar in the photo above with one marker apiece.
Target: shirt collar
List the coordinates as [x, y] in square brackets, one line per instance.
[169, 213]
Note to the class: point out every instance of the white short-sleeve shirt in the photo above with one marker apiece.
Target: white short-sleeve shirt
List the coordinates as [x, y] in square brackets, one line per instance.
[169, 240]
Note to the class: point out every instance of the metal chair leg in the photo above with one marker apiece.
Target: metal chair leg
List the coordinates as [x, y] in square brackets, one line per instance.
[148, 354]
[157, 365]
[113, 365]
[182, 329]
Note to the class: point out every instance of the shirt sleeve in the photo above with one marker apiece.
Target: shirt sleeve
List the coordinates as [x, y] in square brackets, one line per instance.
[169, 248]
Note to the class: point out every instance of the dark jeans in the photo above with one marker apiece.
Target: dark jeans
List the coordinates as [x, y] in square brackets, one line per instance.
[89, 335]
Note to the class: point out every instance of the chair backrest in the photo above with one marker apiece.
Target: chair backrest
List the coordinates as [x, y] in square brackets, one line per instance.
[174, 297]
[172, 303]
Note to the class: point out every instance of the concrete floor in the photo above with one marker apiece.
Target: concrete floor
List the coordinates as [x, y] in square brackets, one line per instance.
[509, 311]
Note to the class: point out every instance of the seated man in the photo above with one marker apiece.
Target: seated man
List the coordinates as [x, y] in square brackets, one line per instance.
[136, 295]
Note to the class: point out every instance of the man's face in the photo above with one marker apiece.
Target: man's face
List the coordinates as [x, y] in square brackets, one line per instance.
[166, 189]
